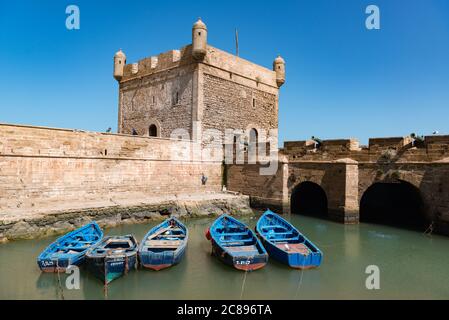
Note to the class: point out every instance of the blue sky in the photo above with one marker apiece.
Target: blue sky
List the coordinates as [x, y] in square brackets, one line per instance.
[342, 79]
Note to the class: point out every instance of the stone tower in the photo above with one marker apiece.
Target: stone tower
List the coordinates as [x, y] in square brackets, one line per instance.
[199, 40]
[196, 88]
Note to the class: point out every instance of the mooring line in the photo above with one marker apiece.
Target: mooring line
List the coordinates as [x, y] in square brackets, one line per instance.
[300, 279]
[244, 280]
[243, 285]
[61, 290]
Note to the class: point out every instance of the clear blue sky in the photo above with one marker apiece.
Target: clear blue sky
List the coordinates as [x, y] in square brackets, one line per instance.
[342, 79]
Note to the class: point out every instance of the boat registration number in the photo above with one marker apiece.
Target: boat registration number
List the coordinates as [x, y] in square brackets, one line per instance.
[48, 263]
[243, 262]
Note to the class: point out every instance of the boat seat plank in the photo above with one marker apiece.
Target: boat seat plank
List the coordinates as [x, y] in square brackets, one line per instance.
[244, 250]
[73, 248]
[280, 234]
[172, 235]
[274, 226]
[163, 243]
[236, 240]
[160, 231]
[235, 234]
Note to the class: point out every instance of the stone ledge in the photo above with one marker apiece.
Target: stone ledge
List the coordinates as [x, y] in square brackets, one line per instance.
[111, 216]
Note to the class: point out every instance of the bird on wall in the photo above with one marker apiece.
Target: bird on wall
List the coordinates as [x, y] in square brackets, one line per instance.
[109, 130]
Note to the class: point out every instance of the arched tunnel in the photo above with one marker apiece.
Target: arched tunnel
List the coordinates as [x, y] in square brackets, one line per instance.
[309, 198]
[396, 204]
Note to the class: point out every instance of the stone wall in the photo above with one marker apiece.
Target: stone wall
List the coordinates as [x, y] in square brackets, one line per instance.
[346, 170]
[229, 105]
[163, 99]
[265, 191]
[47, 169]
[339, 180]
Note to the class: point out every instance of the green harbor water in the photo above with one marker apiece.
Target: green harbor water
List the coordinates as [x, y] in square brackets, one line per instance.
[412, 266]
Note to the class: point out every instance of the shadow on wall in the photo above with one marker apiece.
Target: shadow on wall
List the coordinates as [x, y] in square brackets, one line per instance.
[394, 203]
[308, 198]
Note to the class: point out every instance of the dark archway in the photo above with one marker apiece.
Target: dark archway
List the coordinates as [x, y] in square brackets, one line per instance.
[152, 131]
[309, 198]
[396, 204]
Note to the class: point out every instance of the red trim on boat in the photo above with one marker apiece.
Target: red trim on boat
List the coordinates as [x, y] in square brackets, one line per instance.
[53, 269]
[250, 267]
[303, 267]
[156, 267]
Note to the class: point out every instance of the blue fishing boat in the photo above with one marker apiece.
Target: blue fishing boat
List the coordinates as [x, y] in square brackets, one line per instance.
[236, 245]
[285, 243]
[164, 245]
[113, 257]
[69, 249]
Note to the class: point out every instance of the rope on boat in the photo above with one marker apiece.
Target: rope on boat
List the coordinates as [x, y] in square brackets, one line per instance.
[61, 290]
[300, 279]
[244, 279]
[243, 285]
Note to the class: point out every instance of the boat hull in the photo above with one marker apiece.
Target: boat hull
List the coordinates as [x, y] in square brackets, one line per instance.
[113, 257]
[161, 260]
[154, 255]
[288, 246]
[69, 249]
[240, 263]
[108, 269]
[293, 260]
[51, 266]
[236, 245]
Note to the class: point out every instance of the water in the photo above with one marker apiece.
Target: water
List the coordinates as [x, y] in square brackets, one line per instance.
[412, 266]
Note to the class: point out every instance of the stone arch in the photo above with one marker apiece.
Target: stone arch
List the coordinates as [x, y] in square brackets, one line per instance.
[154, 128]
[309, 198]
[394, 202]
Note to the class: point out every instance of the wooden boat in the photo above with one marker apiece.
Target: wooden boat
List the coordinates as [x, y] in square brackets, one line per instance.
[112, 257]
[235, 244]
[164, 245]
[285, 243]
[69, 249]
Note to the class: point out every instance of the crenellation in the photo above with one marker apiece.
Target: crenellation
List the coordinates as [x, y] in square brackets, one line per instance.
[397, 149]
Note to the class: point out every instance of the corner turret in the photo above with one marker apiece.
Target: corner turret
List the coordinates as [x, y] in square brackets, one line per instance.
[119, 64]
[199, 40]
[279, 68]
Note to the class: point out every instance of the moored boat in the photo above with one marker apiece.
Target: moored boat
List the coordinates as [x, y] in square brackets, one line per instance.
[112, 257]
[164, 245]
[69, 249]
[286, 244]
[236, 245]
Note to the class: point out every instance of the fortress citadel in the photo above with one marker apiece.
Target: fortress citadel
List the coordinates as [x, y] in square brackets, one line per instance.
[52, 180]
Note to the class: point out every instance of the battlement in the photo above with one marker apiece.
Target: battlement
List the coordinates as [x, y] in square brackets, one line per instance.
[405, 149]
[390, 142]
[154, 64]
[214, 57]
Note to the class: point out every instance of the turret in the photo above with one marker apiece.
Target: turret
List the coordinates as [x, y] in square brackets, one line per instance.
[279, 68]
[199, 39]
[119, 64]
